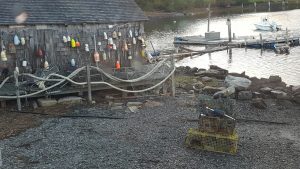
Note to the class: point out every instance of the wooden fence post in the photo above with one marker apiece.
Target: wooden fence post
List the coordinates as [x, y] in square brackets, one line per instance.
[16, 76]
[173, 85]
[88, 76]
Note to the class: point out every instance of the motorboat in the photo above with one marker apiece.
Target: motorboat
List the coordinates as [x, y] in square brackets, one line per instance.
[266, 25]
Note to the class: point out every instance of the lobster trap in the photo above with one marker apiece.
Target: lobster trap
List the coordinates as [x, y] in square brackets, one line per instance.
[220, 125]
[212, 142]
[225, 104]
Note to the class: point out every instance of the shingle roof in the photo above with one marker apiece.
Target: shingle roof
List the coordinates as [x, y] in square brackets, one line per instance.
[70, 11]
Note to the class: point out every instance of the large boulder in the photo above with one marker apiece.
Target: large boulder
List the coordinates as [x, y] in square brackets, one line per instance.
[296, 98]
[277, 94]
[265, 90]
[296, 89]
[224, 93]
[239, 83]
[275, 79]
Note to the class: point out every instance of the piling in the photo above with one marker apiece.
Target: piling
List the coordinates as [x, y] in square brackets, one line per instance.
[229, 29]
[261, 40]
[255, 6]
[242, 7]
[208, 20]
[269, 3]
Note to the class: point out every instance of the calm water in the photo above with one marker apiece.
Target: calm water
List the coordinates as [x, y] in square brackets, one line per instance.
[253, 61]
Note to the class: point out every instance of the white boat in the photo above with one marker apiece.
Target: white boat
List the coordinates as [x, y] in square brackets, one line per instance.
[266, 25]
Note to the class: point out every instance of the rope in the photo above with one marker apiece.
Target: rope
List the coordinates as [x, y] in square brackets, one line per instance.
[132, 80]
[48, 88]
[4, 81]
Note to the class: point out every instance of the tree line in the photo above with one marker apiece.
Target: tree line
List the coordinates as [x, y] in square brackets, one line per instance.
[176, 5]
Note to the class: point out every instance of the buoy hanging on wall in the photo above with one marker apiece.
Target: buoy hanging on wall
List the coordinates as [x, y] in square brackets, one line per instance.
[46, 65]
[96, 56]
[73, 63]
[105, 35]
[77, 43]
[114, 35]
[73, 43]
[24, 63]
[130, 33]
[3, 56]
[65, 40]
[119, 33]
[87, 49]
[69, 38]
[129, 55]
[104, 56]
[114, 47]
[23, 41]
[16, 40]
[110, 41]
[118, 65]
[134, 41]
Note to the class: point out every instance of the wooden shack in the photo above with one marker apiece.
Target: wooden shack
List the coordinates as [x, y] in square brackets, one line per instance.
[42, 37]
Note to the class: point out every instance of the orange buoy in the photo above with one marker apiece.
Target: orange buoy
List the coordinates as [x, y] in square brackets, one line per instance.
[118, 65]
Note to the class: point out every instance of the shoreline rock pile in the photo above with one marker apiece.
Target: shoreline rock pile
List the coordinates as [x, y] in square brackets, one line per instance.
[220, 83]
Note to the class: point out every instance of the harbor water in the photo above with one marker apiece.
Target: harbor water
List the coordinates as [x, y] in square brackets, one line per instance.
[253, 61]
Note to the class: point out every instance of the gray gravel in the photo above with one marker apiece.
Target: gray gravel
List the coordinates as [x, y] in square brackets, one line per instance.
[153, 138]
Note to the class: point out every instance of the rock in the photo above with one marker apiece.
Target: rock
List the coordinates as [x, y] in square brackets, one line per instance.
[70, 100]
[275, 79]
[206, 79]
[150, 103]
[134, 104]
[224, 93]
[211, 73]
[257, 95]
[243, 74]
[198, 86]
[296, 89]
[259, 103]
[266, 90]
[193, 70]
[221, 70]
[211, 90]
[133, 109]
[277, 94]
[245, 95]
[191, 92]
[296, 98]
[116, 108]
[187, 86]
[239, 83]
[108, 97]
[46, 102]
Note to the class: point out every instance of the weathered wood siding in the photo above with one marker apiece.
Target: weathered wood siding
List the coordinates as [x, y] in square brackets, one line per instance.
[50, 39]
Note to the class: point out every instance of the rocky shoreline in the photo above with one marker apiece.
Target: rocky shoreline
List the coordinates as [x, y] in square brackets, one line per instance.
[218, 82]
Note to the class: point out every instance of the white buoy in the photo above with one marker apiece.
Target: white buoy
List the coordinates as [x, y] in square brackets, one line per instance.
[24, 63]
[73, 63]
[23, 41]
[87, 48]
[110, 41]
[65, 40]
[105, 35]
[16, 40]
[134, 41]
[114, 47]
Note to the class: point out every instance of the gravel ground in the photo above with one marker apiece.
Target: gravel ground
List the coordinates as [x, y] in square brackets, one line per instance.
[153, 138]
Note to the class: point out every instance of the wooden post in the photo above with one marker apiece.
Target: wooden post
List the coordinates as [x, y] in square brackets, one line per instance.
[286, 36]
[16, 75]
[242, 7]
[229, 29]
[209, 15]
[282, 3]
[173, 85]
[261, 41]
[269, 3]
[88, 77]
[255, 6]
